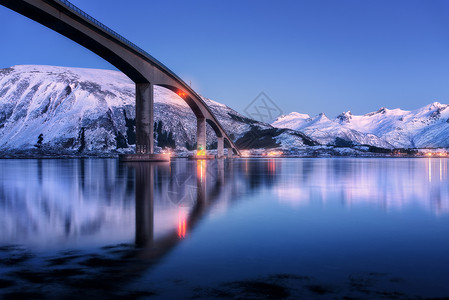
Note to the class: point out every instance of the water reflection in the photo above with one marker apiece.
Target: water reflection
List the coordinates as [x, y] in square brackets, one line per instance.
[66, 203]
[62, 203]
[55, 204]
[285, 214]
[170, 200]
[386, 183]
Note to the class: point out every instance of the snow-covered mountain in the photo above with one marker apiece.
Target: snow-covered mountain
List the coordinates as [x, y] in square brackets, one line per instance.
[426, 127]
[60, 108]
[56, 109]
[326, 131]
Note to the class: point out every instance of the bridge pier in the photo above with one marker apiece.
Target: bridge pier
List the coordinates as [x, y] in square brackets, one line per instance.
[144, 118]
[230, 152]
[220, 147]
[200, 136]
[144, 126]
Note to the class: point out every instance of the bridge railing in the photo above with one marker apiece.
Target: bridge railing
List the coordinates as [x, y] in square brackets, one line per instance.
[85, 15]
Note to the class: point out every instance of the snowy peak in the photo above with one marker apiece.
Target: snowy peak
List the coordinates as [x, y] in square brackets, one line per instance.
[299, 115]
[424, 127]
[293, 120]
[292, 116]
[381, 110]
[321, 118]
[432, 111]
[327, 131]
[344, 117]
[39, 72]
[436, 105]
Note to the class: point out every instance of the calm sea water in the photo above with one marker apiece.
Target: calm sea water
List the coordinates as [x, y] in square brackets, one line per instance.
[242, 228]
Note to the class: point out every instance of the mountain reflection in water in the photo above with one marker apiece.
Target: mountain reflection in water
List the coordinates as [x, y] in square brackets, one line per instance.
[139, 213]
[67, 203]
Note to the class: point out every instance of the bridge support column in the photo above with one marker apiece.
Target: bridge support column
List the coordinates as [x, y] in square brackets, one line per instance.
[144, 127]
[144, 118]
[230, 152]
[201, 136]
[220, 147]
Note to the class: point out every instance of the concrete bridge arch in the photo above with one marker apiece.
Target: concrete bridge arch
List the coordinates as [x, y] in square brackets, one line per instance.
[146, 71]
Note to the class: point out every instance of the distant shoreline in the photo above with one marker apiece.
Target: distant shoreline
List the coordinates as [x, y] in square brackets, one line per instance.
[116, 156]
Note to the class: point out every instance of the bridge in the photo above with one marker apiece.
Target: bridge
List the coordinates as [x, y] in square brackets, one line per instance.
[146, 71]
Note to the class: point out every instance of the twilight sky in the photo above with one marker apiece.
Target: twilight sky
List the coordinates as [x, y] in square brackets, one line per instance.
[307, 56]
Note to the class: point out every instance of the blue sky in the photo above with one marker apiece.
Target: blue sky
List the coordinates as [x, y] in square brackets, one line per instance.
[307, 56]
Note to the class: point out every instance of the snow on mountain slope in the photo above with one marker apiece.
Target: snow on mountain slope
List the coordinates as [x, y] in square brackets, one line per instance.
[71, 107]
[326, 131]
[67, 107]
[74, 109]
[422, 128]
[379, 123]
[292, 120]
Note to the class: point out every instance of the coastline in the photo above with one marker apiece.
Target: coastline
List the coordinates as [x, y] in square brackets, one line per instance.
[312, 152]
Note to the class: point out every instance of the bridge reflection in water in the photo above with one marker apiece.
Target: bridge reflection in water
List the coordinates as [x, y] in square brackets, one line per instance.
[42, 209]
[51, 205]
[190, 196]
[125, 218]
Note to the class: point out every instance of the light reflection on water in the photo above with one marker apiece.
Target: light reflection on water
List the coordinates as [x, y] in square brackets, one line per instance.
[327, 218]
[386, 183]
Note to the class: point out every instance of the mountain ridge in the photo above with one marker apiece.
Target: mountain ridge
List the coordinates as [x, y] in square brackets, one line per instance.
[58, 109]
[425, 127]
[52, 108]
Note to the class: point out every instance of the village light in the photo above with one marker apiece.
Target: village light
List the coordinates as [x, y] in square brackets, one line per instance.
[201, 151]
[245, 153]
[275, 153]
